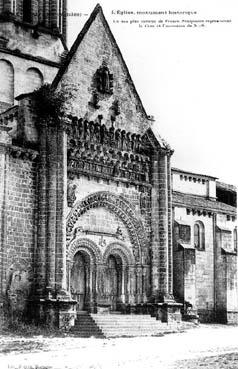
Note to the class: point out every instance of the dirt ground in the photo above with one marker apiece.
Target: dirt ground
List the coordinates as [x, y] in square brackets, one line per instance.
[208, 346]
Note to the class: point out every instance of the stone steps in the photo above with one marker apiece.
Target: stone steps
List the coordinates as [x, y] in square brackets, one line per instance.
[129, 325]
[119, 325]
[86, 327]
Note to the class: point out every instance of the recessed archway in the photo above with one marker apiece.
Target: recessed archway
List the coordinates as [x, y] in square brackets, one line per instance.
[117, 205]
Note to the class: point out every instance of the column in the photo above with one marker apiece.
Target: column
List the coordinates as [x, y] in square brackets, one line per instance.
[1, 6]
[123, 280]
[4, 163]
[46, 13]
[64, 20]
[51, 208]
[54, 14]
[7, 5]
[41, 11]
[155, 226]
[170, 227]
[132, 285]
[61, 208]
[40, 256]
[139, 284]
[163, 224]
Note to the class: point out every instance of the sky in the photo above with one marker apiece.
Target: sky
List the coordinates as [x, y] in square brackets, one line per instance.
[186, 77]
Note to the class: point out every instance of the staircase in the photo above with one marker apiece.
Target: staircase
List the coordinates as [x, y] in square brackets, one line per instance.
[86, 327]
[120, 325]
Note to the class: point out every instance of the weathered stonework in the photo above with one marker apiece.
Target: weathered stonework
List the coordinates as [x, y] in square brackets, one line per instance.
[92, 217]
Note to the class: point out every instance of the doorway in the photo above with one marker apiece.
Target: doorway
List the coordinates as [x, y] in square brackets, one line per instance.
[79, 280]
[114, 281]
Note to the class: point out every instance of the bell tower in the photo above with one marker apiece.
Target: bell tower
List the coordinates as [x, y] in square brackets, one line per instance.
[51, 14]
[32, 44]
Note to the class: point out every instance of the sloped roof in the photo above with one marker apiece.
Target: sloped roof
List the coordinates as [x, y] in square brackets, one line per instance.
[199, 202]
[73, 50]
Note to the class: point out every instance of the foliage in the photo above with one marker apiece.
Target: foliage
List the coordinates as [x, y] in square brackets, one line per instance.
[49, 104]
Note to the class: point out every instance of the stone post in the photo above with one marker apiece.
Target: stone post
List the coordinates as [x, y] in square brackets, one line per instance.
[54, 14]
[46, 13]
[4, 160]
[1, 6]
[170, 227]
[132, 285]
[61, 206]
[123, 286]
[155, 226]
[163, 224]
[51, 209]
[40, 256]
[64, 20]
[7, 5]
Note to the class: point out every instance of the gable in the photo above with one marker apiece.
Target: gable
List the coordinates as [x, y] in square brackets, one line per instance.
[95, 49]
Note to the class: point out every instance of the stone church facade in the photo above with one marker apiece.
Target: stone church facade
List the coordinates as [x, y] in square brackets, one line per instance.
[93, 218]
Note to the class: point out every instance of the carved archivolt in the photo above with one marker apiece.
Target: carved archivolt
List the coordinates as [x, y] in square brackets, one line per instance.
[121, 250]
[117, 205]
[88, 246]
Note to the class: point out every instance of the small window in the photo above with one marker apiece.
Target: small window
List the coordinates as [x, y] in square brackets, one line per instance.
[199, 236]
[27, 11]
[235, 239]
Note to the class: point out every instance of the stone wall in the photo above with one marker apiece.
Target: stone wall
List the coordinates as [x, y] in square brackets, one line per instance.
[96, 49]
[21, 78]
[18, 234]
[194, 184]
[199, 270]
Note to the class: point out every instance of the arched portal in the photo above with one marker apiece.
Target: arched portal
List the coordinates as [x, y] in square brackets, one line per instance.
[83, 257]
[79, 279]
[113, 280]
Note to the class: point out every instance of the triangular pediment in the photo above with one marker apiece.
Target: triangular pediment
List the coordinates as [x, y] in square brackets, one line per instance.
[95, 51]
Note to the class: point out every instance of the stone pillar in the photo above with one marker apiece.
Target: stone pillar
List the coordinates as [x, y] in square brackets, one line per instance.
[163, 224]
[7, 5]
[123, 280]
[144, 277]
[170, 227]
[139, 284]
[61, 206]
[64, 20]
[41, 11]
[40, 256]
[54, 14]
[35, 11]
[155, 226]
[51, 208]
[4, 162]
[1, 6]
[132, 285]
[46, 13]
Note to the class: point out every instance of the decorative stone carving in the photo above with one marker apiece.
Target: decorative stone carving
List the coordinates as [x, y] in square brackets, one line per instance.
[94, 101]
[104, 80]
[71, 197]
[117, 205]
[116, 107]
[102, 242]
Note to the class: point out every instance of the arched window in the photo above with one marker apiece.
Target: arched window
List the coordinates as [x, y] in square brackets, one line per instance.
[235, 239]
[199, 236]
[34, 79]
[27, 13]
[6, 82]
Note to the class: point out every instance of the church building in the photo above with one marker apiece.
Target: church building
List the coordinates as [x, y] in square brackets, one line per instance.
[93, 219]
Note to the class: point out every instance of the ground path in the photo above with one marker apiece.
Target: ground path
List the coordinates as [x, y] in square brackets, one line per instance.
[209, 346]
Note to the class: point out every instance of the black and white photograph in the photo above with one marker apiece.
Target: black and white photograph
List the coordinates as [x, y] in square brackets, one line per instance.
[118, 184]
